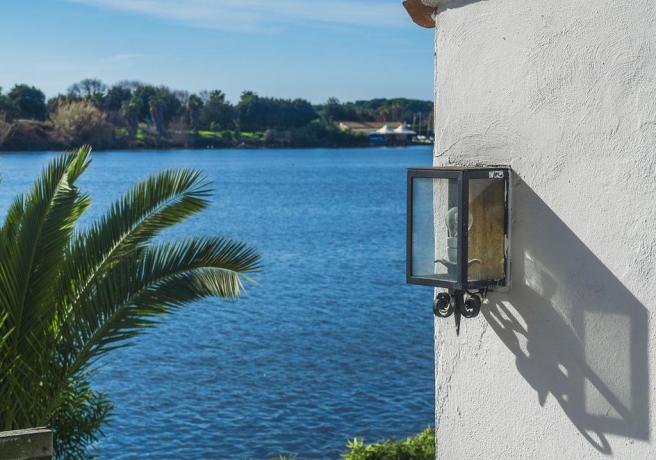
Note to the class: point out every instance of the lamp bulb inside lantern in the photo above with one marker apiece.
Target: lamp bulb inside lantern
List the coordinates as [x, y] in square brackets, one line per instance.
[452, 222]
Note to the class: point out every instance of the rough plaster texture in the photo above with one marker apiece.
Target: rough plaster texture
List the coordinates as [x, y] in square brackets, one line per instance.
[563, 366]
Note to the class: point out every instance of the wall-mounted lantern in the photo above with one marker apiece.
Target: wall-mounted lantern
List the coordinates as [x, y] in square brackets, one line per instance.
[458, 221]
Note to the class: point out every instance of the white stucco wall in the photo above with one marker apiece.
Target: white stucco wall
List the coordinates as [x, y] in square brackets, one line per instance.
[564, 365]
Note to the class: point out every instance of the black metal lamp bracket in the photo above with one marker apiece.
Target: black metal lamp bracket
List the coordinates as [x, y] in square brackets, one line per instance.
[458, 303]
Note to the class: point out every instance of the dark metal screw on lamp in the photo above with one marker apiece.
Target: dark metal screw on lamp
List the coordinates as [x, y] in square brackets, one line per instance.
[458, 235]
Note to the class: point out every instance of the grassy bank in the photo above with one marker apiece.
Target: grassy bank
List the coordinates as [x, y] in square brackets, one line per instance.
[30, 135]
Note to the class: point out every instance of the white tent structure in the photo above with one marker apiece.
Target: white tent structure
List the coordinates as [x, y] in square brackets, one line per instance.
[404, 130]
[385, 130]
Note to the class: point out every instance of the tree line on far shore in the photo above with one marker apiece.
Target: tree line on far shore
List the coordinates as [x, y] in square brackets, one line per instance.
[137, 115]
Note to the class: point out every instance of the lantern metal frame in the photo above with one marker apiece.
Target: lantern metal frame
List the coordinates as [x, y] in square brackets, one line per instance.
[463, 176]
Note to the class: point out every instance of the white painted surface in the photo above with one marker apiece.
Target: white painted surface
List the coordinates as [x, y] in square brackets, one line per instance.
[564, 365]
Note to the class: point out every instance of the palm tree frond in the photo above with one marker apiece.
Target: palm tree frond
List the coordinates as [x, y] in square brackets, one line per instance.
[162, 279]
[35, 235]
[68, 296]
[151, 206]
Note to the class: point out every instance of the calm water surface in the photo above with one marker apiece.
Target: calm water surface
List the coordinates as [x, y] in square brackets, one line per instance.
[331, 345]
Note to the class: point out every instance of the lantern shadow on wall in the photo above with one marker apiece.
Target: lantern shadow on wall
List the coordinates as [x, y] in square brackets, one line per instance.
[588, 347]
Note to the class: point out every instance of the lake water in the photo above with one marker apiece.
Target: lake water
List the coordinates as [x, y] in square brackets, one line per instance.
[332, 344]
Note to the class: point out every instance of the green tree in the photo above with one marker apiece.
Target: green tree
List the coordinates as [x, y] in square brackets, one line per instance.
[399, 109]
[4, 104]
[140, 101]
[90, 89]
[260, 113]
[193, 107]
[333, 110]
[69, 296]
[157, 106]
[27, 102]
[253, 112]
[297, 113]
[5, 128]
[169, 104]
[217, 113]
[115, 97]
[130, 113]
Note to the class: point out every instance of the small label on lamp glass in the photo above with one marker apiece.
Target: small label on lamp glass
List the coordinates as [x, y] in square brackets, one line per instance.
[496, 175]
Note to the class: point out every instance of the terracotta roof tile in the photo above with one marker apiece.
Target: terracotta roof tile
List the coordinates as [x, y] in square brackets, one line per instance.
[421, 13]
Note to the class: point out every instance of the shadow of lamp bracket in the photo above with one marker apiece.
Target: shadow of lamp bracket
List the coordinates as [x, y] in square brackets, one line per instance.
[458, 235]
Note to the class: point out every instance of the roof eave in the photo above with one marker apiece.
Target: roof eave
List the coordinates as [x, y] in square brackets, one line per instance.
[422, 14]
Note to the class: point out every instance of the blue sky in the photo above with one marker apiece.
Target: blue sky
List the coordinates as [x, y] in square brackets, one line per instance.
[315, 49]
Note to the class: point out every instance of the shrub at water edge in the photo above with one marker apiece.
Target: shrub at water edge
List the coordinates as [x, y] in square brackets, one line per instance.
[419, 447]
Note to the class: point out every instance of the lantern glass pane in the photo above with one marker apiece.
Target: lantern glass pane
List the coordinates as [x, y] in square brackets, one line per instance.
[486, 230]
[434, 228]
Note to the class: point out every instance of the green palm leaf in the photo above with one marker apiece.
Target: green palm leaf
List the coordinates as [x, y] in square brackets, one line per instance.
[160, 279]
[69, 296]
[37, 231]
[150, 207]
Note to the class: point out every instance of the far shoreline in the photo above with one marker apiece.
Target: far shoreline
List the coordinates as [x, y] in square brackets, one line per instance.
[137, 150]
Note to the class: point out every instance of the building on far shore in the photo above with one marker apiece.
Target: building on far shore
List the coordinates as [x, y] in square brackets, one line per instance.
[366, 127]
[383, 133]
